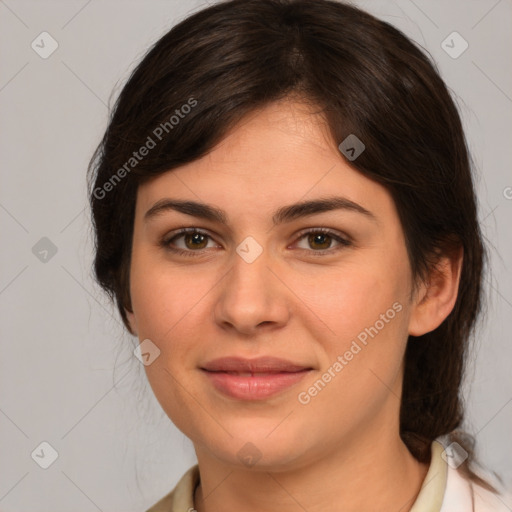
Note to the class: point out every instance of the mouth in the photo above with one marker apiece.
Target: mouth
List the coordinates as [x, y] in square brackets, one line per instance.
[252, 374]
[257, 379]
[260, 365]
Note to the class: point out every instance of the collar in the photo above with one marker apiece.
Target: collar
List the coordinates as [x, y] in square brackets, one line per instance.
[429, 499]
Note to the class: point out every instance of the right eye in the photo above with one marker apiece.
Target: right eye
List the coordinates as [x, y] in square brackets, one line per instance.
[193, 240]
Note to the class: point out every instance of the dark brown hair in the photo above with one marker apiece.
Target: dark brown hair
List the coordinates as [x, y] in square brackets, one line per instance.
[368, 79]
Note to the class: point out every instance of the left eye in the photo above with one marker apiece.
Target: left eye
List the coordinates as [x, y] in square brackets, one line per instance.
[194, 240]
[322, 239]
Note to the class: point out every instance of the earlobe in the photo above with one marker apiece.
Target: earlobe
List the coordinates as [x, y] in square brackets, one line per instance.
[132, 321]
[436, 298]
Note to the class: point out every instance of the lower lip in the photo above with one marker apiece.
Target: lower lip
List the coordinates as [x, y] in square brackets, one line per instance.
[254, 387]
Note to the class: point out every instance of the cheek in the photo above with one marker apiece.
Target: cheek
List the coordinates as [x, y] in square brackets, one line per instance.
[173, 310]
[170, 313]
[163, 298]
[347, 300]
[365, 307]
[361, 363]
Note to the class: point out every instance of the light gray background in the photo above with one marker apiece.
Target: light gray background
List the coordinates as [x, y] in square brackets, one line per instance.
[67, 372]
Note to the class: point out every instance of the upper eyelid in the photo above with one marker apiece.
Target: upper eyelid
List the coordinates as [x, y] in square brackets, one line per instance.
[183, 231]
[328, 231]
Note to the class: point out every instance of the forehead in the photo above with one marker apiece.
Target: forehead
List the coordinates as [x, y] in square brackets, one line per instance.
[280, 154]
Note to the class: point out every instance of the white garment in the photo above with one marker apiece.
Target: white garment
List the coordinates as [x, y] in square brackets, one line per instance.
[461, 495]
[444, 489]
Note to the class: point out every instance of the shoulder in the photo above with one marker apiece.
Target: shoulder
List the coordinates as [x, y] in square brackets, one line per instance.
[463, 495]
[181, 498]
[486, 500]
[164, 504]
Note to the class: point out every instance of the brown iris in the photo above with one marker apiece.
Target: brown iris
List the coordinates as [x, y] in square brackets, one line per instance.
[319, 238]
[194, 240]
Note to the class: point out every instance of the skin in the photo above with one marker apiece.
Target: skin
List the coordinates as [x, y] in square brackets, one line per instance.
[342, 450]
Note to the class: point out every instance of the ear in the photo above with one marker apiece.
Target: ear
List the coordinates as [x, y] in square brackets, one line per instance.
[132, 321]
[435, 299]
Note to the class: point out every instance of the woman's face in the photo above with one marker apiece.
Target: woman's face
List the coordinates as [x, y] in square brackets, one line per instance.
[335, 304]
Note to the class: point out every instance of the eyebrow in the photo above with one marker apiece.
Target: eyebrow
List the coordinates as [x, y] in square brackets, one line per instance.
[283, 214]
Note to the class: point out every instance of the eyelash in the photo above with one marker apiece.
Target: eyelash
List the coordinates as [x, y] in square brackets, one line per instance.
[166, 242]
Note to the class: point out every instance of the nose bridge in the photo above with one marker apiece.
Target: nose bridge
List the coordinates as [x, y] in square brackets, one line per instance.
[250, 265]
[250, 294]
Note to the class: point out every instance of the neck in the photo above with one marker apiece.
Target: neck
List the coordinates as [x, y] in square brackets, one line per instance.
[377, 474]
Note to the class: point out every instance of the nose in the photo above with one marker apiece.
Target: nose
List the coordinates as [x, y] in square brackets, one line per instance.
[251, 297]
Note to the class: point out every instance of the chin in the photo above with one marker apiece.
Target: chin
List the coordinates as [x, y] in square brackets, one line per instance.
[256, 450]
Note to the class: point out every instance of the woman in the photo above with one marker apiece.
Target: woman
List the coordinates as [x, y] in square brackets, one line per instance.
[285, 215]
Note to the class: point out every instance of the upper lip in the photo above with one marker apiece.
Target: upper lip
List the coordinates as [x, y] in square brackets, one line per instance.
[265, 364]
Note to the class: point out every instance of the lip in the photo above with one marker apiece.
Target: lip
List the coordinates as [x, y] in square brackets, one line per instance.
[263, 364]
[253, 379]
